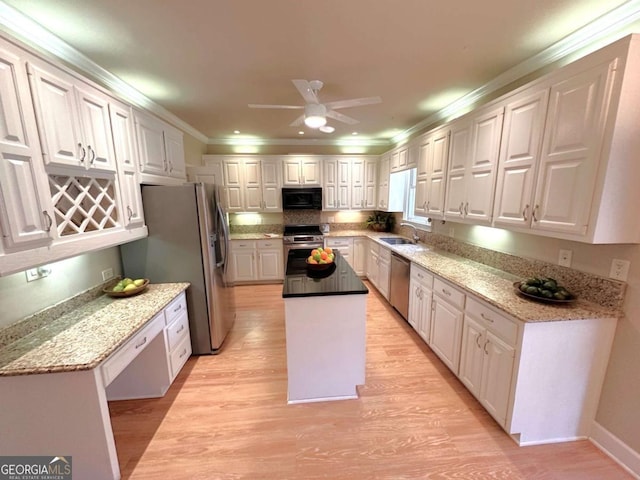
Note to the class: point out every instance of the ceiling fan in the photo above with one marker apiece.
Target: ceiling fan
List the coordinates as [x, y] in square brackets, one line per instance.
[316, 113]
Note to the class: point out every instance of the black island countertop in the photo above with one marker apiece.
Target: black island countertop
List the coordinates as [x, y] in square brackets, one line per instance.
[338, 279]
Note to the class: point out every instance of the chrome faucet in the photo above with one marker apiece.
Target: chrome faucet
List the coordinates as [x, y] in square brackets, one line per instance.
[415, 231]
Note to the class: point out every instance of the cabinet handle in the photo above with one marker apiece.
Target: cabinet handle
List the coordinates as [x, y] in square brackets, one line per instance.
[84, 152]
[485, 347]
[92, 154]
[418, 292]
[524, 212]
[533, 214]
[184, 352]
[460, 207]
[49, 221]
[362, 203]
[478, 341]
[267, 244]
[170, 167]
[466, 209]
[420, 275]
[177, 309]
[144, 340]
[428, 206]
[488, 319]
[129, 212]
[180, 329]
[446, 292]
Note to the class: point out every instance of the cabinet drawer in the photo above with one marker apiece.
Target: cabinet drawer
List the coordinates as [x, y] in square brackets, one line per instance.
[339, 242]
[421, 276]
[180, 355]
[243, 244]
[122, 357]
[177, 330]
[262, 244]
[175, 308]
[446, 291]
[493, 321]
[385, 253]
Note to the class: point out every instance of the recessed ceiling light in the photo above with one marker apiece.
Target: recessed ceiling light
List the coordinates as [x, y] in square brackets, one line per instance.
[300, 132]
[354, 133]
[236, 132]
[327, 129]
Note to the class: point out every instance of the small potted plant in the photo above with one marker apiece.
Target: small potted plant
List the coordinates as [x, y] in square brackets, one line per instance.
[380, 221]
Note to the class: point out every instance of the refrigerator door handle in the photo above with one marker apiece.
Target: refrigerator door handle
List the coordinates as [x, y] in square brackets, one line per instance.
[225, 234]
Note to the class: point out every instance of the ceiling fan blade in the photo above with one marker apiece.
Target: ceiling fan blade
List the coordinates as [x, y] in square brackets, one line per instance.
[297, 122]
[288, 107]
[341, 118]
[305, 90]
[355, 102]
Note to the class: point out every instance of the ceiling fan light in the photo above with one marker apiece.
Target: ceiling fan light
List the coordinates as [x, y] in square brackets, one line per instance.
[314, 115]
[327, 129]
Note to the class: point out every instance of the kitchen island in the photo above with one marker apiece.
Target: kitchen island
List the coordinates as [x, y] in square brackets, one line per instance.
[325, 317]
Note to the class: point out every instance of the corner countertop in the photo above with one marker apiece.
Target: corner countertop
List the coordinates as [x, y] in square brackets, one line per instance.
[83, 338]
[254, 236]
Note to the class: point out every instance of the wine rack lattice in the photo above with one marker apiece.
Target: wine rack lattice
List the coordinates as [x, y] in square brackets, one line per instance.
[83, 204]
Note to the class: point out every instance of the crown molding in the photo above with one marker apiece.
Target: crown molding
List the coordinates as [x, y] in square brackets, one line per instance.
[297, 141]
[38, 38]
[610, 27]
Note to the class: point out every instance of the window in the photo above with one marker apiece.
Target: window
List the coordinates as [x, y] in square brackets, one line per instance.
[410, 202]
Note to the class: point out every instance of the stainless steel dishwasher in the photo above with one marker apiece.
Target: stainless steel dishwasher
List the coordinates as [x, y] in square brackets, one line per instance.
[399, 284]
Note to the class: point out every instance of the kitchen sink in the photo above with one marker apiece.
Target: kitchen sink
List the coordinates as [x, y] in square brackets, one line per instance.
[396, 241]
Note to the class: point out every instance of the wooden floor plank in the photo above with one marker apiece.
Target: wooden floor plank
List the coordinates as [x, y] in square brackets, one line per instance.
[226, 416]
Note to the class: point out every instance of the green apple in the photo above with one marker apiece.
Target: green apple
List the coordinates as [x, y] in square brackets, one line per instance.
[127, 281]
[117, 288]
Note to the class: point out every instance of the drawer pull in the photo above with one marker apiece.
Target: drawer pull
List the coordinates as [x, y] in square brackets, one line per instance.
[180, 329]
[485, 347]
[478, 341]
[184, 352]
[446, 292]
[178, 308]
[267, 244]
[144, 340]
[420, 275]
[488, 319]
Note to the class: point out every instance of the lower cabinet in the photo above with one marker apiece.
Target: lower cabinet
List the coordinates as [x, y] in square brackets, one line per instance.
[487, 357]
[420, 293]
[256, 260]
[360, 255]
[177, 336]
[379, 267]
[446, 323]
[344, 245]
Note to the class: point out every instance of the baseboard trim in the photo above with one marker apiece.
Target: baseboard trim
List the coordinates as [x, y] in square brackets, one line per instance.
[615, 448]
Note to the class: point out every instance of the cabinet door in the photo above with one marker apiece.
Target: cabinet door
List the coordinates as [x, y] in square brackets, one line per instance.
[252, 182]
[424, 323]
[425, 152]
[233, 187]
[415, 303]
[291, 172]
[370, 183]
[395, 161]
[497, 372]
[472, 355]
[122, 126]
[384, 273]
[519, 157]
[131, 199]
[96, 128]
[446, 331]
[310, 170]
[570, 152]
[344, 183]
[372, 265]
[330, 185]
[26, 206]
[458, 169]
[483, 163]
[357, 183]
[271, 185]
[359, 256]
[174, 147]
[151, 152]
[270, 264]
[56, 108]
[437, 166]
[243, 266]
[383, 182]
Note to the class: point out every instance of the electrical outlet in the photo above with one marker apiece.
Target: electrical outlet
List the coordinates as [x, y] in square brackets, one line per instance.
[619, 269]
[107, 274]
[37, 273]
[564, 259]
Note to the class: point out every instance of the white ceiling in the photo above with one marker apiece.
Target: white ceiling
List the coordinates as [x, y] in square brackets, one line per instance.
[205, 60]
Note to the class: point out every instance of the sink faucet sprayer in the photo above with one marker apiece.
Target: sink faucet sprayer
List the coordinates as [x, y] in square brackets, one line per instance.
[415, 230]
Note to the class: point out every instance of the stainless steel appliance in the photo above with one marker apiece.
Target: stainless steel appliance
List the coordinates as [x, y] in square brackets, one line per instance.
[188, 242]
[399, 284]
[304, 198]
[301, 237]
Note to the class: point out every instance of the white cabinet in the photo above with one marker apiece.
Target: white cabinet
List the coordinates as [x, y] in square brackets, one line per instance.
[400, 159]
[73, 120]
[26, 212]
[379, 267]
[252, 184]
[160, 148]
[446, 323]
[384, 171]
[420, 293]
[432, 153]
[344, 245]
[177, 335]
[301, 171]
[473, 160]
[349, 183]
[391, 187]
[360, 250]
[123, 127]
[487, 357]
[256, 260]
[370, 194]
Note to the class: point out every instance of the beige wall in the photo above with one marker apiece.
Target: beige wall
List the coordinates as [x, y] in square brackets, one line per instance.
[193, 150]
[618, 411]
[68, 278]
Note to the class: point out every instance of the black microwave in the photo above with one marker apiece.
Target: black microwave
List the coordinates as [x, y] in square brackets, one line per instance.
[302, 198]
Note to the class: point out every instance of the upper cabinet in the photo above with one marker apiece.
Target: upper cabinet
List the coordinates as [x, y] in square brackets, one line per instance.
[160, 149]
[301, 170]
[26, 212]
[349, 183]
[73, 120]
[252, 184]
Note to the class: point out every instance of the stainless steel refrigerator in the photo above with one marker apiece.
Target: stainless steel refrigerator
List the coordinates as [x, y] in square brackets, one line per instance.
[188, 242]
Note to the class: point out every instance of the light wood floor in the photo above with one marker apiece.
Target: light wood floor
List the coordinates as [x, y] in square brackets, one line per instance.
[226, 416]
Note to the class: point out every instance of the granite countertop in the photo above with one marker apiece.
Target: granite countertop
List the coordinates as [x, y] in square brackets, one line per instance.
[254, 236]
[83, 338]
